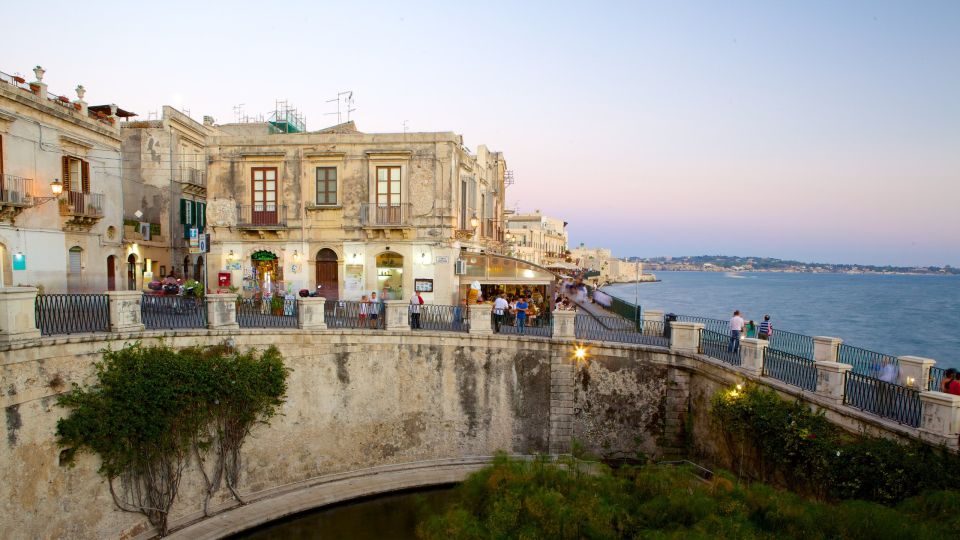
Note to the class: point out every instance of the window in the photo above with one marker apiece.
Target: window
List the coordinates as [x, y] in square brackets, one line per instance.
[264, 195]
[75, 265]
[76, 175]
[327, 185]
[388, 186]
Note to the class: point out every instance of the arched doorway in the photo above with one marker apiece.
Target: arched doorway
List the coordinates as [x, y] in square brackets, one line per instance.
[186, 267]
[198, 269]
[132, 272]
[327, 277]
[390, 275]
[6, 268]
[268, 271]
[112, 273]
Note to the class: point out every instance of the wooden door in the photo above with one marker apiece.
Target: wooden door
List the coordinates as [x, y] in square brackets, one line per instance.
[111, 273]
[264, 196]
[327, 274]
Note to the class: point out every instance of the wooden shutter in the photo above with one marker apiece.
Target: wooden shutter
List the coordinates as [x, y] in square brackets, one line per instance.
[85, 176]
[201, 215]
[75, 266]
[183, 211]
[66, 173]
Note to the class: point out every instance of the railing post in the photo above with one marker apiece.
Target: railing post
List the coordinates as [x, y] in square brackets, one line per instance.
[685, 336]
[397, 315]
[18, 316]
[940, 421]
[222, 311]
[310, 313]
[564, 325]
[751, 355]
[651, 316]
[125, 311]
[915, 371]
[831, 380]
[480, 323]
[826, 349]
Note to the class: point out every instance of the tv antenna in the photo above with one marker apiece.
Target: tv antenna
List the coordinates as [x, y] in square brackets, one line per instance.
[404, 126]
[345, 98]
[238, 112]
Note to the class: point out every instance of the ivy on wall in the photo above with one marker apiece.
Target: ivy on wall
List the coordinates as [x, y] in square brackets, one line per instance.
[151, 408]
[787, 443]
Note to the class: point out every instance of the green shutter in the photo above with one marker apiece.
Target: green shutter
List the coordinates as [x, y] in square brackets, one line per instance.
[183, 211]
[202, 216]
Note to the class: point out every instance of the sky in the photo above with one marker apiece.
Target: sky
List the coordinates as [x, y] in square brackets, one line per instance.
[812, 130]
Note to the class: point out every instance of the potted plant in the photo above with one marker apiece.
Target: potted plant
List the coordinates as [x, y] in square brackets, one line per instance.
[276, 305]
[19, 79]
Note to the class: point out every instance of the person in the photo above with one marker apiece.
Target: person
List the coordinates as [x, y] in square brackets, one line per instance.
[888, 371]
[949, 377]
[766, 329]
[521, 311]
[459, 314]
[751, 329]
[500, 306]
[415, 302]
[374, 310]
[364, 303]
[736, 328]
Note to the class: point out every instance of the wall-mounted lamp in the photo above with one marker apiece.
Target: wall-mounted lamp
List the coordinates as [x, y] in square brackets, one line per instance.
[474, 222]
[231, 256]
[296, 256]
[56, 187]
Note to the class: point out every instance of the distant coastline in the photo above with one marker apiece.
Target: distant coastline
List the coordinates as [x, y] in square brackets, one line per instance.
[727, 263]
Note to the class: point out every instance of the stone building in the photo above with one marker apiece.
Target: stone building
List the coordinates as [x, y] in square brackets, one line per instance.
[537, 238]
[347, 211]
[164, 197]
[61, 192]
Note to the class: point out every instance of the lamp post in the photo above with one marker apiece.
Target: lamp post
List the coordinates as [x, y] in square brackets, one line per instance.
[474, 222]
[56, 187]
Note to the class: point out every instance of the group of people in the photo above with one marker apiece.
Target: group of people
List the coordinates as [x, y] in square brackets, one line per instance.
[740, 328]
[951, 382]
[521, 307]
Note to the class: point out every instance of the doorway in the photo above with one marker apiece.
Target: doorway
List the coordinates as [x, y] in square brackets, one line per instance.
[327, 277]
[75, 270]
[390, 275]
[132, 272]
[269, 273]
[112, 273]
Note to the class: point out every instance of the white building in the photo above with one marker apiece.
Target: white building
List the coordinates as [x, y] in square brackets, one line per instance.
[537, 238]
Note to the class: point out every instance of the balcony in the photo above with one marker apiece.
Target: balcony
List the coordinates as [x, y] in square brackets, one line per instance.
[193, 178]
[262, 216]
[82, 210]
[395, 216]
[14, 196]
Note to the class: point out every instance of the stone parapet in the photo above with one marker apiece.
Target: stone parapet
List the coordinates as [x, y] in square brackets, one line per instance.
[940, 422]
[563, 324]
[751, 355]
[652, 316]
[826, 349]
[915, 371]
[397, 316]
[221, 311]
[831, 380]
[685, 336]
[125, 311]
[479, 315]
[310, 313]
[18, 318]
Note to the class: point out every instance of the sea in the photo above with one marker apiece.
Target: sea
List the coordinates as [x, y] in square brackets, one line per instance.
[899, 315]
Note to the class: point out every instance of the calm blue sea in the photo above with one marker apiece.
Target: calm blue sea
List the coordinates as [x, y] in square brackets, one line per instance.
[899, 315]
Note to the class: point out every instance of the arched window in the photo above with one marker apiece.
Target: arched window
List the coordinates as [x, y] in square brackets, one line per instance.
[132, 272]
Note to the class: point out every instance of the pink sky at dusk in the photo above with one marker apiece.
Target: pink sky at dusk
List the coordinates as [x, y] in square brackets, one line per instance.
[818, 131]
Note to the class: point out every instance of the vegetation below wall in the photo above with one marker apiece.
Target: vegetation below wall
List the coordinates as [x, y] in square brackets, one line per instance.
[787, 444]
[151, 410]
[519, 499]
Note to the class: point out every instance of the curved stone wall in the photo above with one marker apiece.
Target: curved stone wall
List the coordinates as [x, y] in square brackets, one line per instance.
[361, 405]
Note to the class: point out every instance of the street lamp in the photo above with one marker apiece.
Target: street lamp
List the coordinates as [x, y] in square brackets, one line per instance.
[56, 187]
[474, 222]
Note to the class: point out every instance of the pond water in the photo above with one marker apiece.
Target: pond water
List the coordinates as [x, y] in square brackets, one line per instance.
[386, 517]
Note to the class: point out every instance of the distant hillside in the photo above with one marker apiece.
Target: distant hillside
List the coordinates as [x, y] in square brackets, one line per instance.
[768, 264]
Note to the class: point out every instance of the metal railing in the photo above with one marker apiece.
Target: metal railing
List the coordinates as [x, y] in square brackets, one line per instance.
[795, 344]
[16, 190]
[350, 314]
[189, 175]
[718, 326]
[717, 345]
[865, 362]
[75, 203]
[14, 80]
[262, 215]
[384, 215]
[275, 313]
[888, 400]
[790, 368]
[160, 312]
[626, 309]
[439, 317]
[72, 313]
[619, 330]
[533, 326]
[936, 378]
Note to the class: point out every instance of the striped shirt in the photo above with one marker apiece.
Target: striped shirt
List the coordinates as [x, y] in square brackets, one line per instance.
[766, 328]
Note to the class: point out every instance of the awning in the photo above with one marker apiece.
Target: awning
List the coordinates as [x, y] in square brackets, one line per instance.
[561, 265]
[488, 268]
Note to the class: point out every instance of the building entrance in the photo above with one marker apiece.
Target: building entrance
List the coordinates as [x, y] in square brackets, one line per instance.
[267, 272]
[328, 280]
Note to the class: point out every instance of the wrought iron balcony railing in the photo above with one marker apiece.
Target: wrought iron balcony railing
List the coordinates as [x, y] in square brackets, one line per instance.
[15, 190]
[75, 203]
[196, 177]
[262, 216]
[385, 215]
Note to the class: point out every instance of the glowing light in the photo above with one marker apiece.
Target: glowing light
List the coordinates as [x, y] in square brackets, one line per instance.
[580, 353]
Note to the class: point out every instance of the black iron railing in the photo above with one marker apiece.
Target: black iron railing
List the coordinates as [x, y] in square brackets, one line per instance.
[790, 368]
[898, 403]
[160, 312]
[72, 313]
[385, 215]
[349, 314]
[936, 378]
[263, 215]
[619, 330]
[714, 325]
[271, 313]
[439, 317]
[533, 326]
[792, 343]
[718, 345]
[865, 362]
[15, 190]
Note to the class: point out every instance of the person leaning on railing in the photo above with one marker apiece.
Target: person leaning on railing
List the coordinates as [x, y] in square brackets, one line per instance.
[766, 329]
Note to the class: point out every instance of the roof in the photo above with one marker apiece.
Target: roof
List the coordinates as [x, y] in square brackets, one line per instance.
[346, 127]
[106, 109]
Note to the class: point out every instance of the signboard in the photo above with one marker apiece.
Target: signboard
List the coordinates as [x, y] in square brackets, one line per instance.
[423, 285]
[353, 279]
[195, 250]
[443, 259]
[223, 279]
[194, 239]
[19, 261]
[204, 243]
